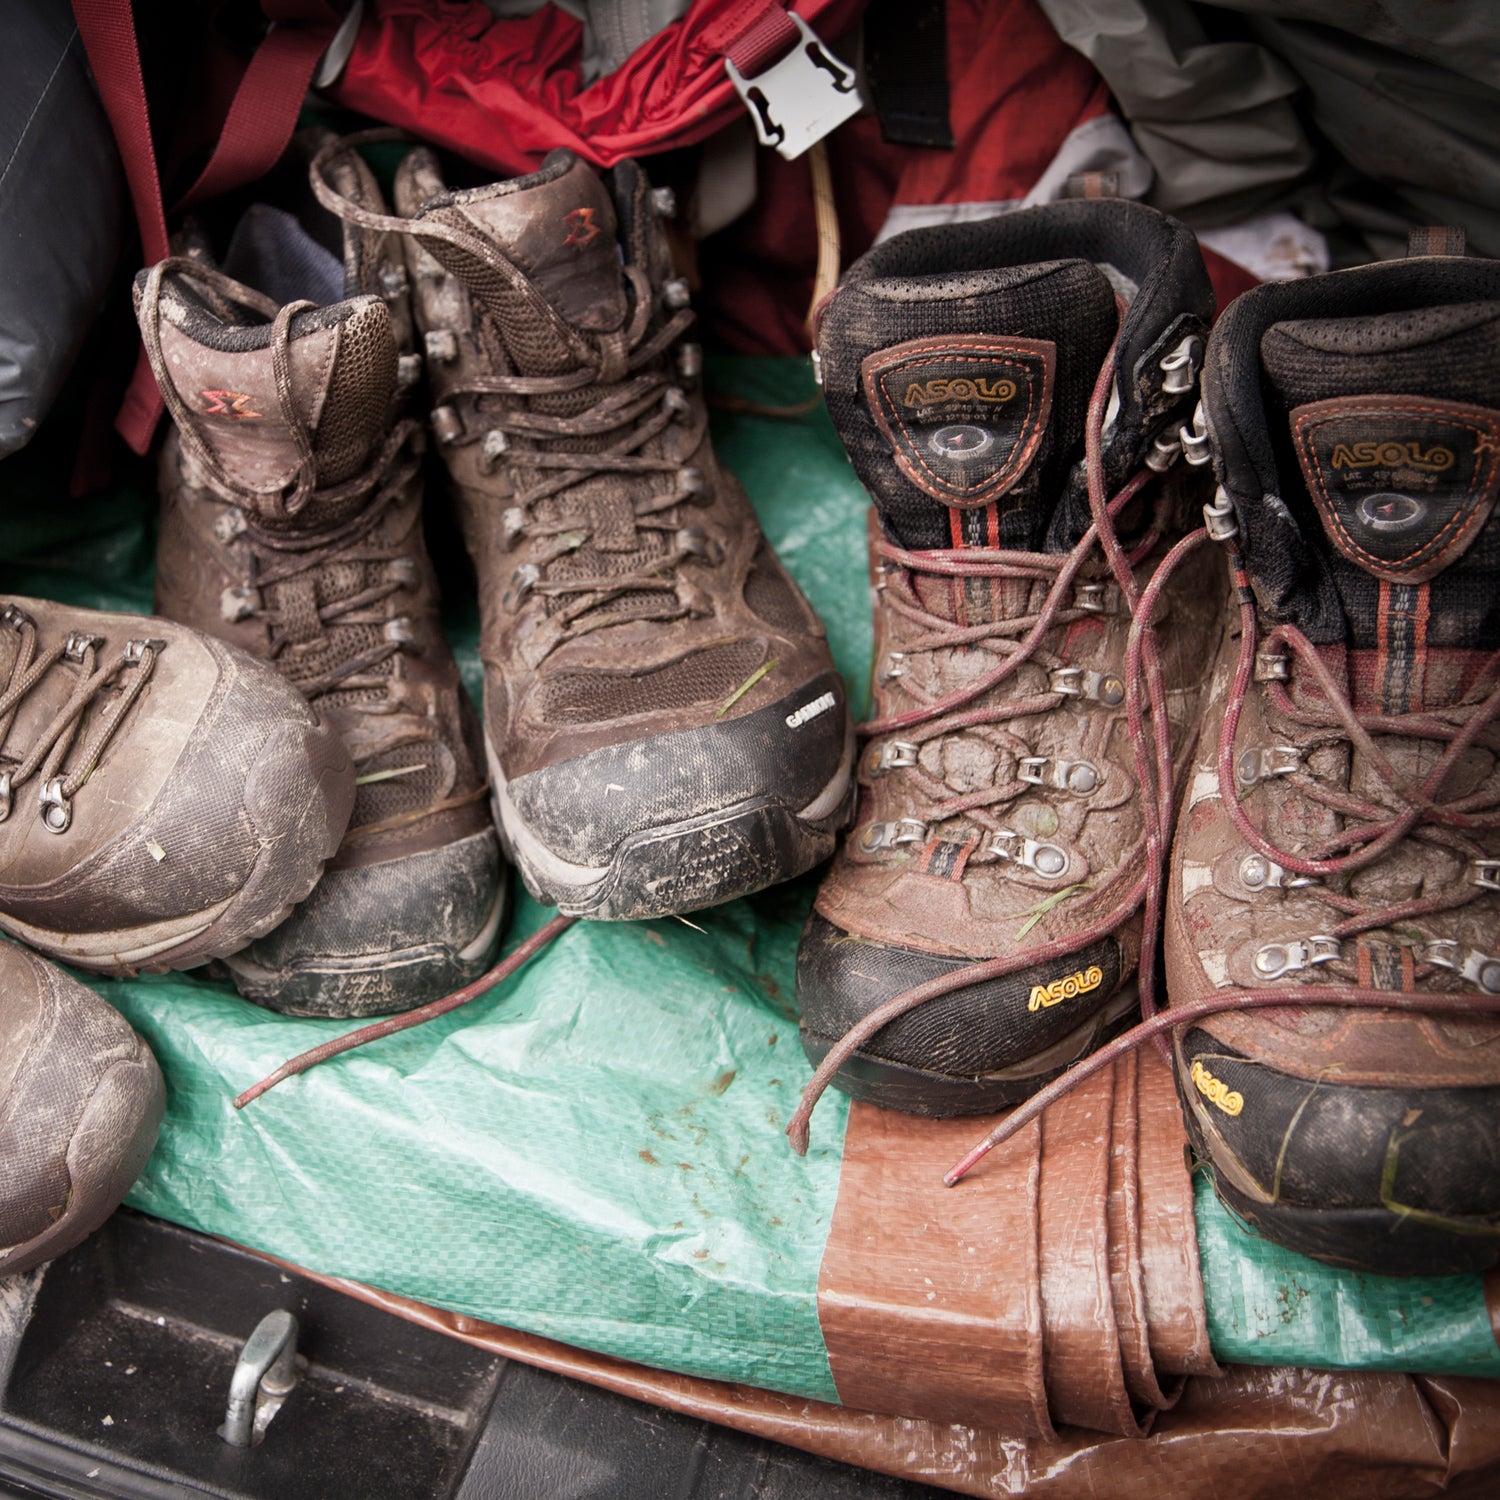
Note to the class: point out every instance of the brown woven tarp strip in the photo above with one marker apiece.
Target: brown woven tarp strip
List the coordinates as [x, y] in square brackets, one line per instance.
[1057, 1285]
[1084, 1377]
[1176, 1321]
[929, 1298]
[1126, 1282]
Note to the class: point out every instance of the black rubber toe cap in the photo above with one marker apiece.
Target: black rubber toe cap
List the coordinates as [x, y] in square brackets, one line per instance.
[381, 938]
[982, 1048]
[1395, 1180]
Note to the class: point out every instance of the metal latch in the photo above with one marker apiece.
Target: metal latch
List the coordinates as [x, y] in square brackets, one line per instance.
[797, 101]
[263, 1378]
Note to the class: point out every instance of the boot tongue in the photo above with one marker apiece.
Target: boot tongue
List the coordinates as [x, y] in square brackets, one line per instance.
[558, 226]
[1394, 422]
[962, 406]
[343, 380]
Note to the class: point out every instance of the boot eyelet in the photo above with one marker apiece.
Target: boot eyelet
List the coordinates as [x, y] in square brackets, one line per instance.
[56, 810]
[79, 644]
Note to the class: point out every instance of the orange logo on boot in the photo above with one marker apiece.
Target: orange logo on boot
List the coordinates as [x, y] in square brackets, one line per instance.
[227, 404]
[1216, 1091]
[581, 226]
[1043, 995]
[1391, 455]
[942, 392]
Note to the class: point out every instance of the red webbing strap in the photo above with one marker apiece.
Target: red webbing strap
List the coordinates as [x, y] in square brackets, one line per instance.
[256, 131]
[766, 42]
[107, 30]
[263, 114]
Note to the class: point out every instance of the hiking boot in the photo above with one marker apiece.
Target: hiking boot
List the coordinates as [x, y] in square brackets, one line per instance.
[1000, 814]
[664, 724]
[292, 526]
[81, 1098]
[1339, 837]
[163, 800]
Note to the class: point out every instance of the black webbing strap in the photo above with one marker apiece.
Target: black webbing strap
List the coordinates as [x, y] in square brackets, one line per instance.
[906, 60]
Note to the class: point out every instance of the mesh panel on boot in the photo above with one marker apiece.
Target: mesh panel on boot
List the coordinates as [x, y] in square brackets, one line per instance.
[354, 416]
[706, 676]
[771, 596]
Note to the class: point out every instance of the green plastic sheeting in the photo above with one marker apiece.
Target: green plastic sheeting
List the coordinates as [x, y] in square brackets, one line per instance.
[1269, 1306]
[594, 1152]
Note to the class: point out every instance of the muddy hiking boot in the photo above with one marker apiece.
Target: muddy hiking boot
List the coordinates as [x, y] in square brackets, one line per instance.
[292, 526]
[1000, 813]
[664, 725]
[1340, 841]
[81, 1098]
[163, 799]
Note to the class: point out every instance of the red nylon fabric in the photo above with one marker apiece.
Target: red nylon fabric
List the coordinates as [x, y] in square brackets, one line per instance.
[505, 92]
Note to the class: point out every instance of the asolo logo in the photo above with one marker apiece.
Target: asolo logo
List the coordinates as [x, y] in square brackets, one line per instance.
[1216, 1091]
[1390, 454]
[947, 392]
[1065, 989]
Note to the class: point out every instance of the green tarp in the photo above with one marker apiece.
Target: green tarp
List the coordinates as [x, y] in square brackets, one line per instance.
[594, 1152]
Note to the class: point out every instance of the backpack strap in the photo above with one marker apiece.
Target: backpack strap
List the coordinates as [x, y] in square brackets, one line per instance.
[256, 130]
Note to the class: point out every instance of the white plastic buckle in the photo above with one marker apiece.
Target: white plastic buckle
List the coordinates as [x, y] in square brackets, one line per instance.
[1077, 682]
[892, 755]
[1076, 776]
[1260, 762]
[1480, 969]
[889, 835]
[797, 101]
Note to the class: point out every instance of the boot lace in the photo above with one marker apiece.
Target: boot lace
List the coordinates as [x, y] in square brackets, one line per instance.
[107, 687]
[283, 554]
[621, 397]
[1371, 829]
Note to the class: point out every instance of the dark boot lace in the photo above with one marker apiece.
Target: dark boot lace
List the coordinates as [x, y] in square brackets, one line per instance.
[1015, 640]
[111, 687]
[334, 634]
[604, 414]
[1370, 831]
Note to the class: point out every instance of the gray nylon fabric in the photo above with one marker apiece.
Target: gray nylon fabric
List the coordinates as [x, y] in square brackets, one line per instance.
[1366, 118]
[62, 198]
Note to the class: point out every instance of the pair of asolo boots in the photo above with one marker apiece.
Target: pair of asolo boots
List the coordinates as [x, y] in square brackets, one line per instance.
[284, 773]
[1062, 458]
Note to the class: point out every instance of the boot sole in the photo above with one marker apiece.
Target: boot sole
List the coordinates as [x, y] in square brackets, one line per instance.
[289, 865]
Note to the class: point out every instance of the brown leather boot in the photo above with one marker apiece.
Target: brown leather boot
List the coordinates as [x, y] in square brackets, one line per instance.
[163, 799]
[81, 1098]
[664, 724]
[1001, 816]
[292, 526]
[1339, 846]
